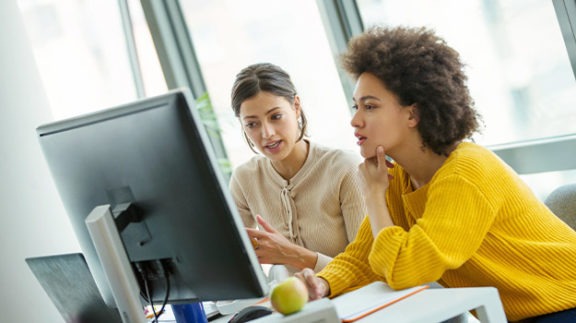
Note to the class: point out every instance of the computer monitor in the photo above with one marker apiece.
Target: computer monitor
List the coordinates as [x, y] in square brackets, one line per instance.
[152, 159]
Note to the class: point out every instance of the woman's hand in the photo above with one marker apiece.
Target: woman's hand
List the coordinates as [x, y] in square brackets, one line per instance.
[317, 287]
[376, 180]
[374, 171]
[273, 248]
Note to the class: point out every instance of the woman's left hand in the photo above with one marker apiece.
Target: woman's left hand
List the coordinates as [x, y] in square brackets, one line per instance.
[376, 180]
[273, 248]
[374, 171]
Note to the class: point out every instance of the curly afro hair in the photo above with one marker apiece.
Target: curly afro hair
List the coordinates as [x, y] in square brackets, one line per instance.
[422, 70]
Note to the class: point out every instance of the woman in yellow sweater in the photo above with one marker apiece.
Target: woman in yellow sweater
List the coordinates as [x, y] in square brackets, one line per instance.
[445, 209]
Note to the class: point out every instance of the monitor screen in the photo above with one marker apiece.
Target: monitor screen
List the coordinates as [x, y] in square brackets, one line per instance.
[154, 156]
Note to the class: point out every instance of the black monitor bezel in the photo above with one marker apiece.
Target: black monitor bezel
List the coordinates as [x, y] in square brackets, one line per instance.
[192, 133]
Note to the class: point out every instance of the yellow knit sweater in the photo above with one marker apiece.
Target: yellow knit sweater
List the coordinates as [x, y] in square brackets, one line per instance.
[474, 224]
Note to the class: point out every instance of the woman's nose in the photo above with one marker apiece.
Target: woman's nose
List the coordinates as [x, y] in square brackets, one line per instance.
[355, 122]
[267, 130]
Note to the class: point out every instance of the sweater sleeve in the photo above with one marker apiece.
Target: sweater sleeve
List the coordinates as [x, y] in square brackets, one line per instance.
[352, 202]
[350, 269]
[240, 200]
[453, 225]
[353, 211]
[321, 261]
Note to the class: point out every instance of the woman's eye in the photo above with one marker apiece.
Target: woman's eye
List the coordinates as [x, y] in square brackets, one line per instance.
[369, 107]
[276, 116]
[355, 107]
[250, 125]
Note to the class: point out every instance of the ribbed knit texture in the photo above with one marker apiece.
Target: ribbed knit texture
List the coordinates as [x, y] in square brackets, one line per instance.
[319, 208]
[474, 224]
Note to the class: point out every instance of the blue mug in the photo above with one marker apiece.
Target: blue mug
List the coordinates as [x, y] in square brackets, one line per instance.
[189, 313]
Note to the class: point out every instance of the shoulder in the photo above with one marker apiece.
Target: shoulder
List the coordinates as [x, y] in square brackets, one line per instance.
[247, 169]
[478, 166]
[472, 158]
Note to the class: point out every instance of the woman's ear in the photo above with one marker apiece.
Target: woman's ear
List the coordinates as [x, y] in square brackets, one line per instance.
[413, 116]
[297, 106]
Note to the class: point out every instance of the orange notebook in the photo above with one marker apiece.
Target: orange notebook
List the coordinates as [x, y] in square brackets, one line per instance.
[364, 301]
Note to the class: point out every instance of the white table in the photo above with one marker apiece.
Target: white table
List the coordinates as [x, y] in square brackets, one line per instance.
[437, 305]
[430, 305]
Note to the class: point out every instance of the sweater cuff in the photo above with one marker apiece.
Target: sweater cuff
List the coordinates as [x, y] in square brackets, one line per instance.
[321, 262]
[336, 285]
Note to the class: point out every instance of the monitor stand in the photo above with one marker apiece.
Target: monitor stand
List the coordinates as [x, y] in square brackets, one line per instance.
[116, 265]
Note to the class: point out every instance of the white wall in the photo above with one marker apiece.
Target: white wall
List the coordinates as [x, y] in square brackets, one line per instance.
[32, 220]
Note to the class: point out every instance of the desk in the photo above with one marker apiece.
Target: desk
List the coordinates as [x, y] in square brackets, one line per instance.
[435, 305]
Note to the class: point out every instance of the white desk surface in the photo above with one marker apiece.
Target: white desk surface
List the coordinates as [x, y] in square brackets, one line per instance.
[435, 305]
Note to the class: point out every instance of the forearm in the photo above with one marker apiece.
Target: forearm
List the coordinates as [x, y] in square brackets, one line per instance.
[350, 268]
[301, 258]
[378, 213]
[346, 273]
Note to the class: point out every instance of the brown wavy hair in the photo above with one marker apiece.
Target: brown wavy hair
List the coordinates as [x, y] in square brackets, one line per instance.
[422, 70]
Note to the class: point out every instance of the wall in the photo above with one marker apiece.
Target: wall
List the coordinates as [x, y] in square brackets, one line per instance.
[33, 221]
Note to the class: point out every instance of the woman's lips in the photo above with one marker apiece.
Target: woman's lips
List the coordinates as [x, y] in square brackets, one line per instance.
[273, 147]
[361, 139]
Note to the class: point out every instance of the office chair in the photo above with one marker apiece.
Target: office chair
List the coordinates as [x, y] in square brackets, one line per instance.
[562, 202]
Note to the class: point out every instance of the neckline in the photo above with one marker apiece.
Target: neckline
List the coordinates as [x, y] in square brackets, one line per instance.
[290, 181]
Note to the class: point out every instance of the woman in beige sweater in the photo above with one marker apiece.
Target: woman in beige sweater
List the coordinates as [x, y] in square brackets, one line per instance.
[304, 197]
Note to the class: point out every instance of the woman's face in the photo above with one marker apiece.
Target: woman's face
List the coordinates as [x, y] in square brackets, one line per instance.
[380, 120]
[271, 124]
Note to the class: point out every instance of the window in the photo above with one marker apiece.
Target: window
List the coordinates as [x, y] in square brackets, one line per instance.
[151, 71]
[81, 52]
[519, 72]
[230, 35]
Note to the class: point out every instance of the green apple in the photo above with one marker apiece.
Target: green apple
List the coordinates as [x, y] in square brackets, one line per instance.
[289, 296]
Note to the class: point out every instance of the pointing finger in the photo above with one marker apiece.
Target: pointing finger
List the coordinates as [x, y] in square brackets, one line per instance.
[267, 227]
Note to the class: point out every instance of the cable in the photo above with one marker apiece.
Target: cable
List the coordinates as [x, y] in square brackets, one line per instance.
[151, 302]
[148, 293]
[142, 273]
[167, 276]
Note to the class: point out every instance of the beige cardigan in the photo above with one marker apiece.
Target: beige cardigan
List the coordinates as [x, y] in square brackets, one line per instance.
[320, 208]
